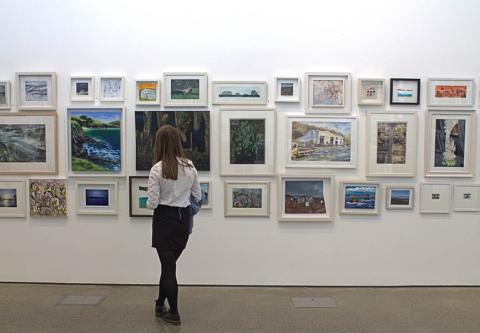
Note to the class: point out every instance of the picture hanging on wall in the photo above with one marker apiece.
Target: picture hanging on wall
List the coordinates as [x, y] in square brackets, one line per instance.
[239, 92]
[399, 196]
[327, 92]
[13, 196]
[185, 89]
[247, 142]
[96, 198]
[138, 191]
[247, 198]
[36, 91]
[28, 143]
[147, 92]
[206, 187]
[82, 88]
[371, 92]
[435, 198]
[404, 91]
[391, 144]
[112, 89]
[451, 92]
[48, 197]
[194, 127]
[287, 89]
[359, 198]
[466, 198]
[4, 95]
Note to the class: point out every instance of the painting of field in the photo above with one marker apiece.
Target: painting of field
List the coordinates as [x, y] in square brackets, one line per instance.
[247, 198]
[328, 93]
[20, 143]
[48, 197]
[185, 89]
[449, 143]
[304, 197]
[391, 142]
[360, 197]
[247, 141]
[8, 198]
[400, 197]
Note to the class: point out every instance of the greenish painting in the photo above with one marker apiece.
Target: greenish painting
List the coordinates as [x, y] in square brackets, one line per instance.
[185, 89]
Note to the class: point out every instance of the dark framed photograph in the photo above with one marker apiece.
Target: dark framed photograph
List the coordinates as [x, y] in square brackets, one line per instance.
[404, 91]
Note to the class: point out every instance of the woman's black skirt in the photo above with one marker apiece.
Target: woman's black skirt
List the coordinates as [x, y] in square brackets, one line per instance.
[170, 228]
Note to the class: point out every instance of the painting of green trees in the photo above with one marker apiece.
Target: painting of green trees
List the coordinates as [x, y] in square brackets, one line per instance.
[247, 141]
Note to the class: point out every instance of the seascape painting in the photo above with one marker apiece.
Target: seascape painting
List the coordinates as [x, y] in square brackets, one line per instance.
[247, 141]
[400, 197]
[111, 87]
[3, 94]
[286, 89]
[391, 142]
[247, 197]
[21, 143]
[48, 197]
[360, 197]
[194, 127]
[82, 88]
[448, 91]
[147, 91]
[328, 93]
[97, 197]
[8, 198]
[185, 89]
[36, 91]
[450, 142]
[405, 91]
[304, 197]
[205, 188]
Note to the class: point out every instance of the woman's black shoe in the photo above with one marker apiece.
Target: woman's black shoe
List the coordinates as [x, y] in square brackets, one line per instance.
[160, 310]
[173, 319]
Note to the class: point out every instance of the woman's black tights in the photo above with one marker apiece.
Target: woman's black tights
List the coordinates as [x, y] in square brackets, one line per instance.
[168, 287]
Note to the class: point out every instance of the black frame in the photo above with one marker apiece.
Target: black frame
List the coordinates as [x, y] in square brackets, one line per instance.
[404, 79]
[130, 196]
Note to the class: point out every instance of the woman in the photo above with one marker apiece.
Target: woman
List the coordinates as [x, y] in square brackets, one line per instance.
[172, 182]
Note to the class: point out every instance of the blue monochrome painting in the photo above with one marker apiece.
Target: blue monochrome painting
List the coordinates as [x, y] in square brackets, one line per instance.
[97, 197]
[360, 196]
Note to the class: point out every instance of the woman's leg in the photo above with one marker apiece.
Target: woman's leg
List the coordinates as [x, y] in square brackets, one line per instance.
[161, 292]
[168, 280]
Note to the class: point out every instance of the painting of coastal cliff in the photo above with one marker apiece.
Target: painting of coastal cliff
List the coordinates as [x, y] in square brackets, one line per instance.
[96, 140]
[23, 143]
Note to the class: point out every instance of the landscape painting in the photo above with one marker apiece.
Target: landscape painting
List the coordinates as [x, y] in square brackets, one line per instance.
[448, 91]
[185, 89]
[96, 197]
[239, 91]
[304, 197]
[286, 89]
[48, 197]
[391, 142]
[194, 127]
[22, 143]
[205, 188]
[400, 197]
[36, 90]
[8, 198]
[360, 197]
[147, 91]
[405, 91]
[82, 88]
[328, 93]
[247, 141]
[450, 142]
[247, 197]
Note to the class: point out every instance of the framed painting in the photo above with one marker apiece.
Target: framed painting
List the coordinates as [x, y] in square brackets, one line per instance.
[97, 198]
[321, 142]
[112, 89]
[28, 143]
[371, 92]
[13, 197]
[451, 92]
[327, 92]
[247, 142]
[239, 92]
[450, 143]
[36, 91]
[306, 198]
[399, 197]
[82, 89]
[247, 198]
[404, 91]
[391, 144]
[4, 95]
[185, 89]
[287, 89]
[48, 197]
[359, 198]
[147, 92]
[206, 187]
[138, 196]
[195, 132]
[466, 198]
[435, 198]
[96, 141]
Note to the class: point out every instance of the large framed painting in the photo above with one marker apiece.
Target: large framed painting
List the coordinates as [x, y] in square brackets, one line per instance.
[466, 198]
[247, 142]
[451, 92]
[82, 88]
[13, 196]
[450, 143]
[287, 89]
[435, 198]
[138, 191]
[404, 91]
[247, 198]
[239, 92]
[359, 198]
[306, 198]
[391, 144]
[371, 92]
[147, 92]
[399, 196]
[112, 88]
[321, 142]
[96, 198]
[4, 95]
[36, 91]
[96, 141]
[327, 92]
[48, 197]
[194, 127]
[28, 143]
[206, 187]
[185, 89]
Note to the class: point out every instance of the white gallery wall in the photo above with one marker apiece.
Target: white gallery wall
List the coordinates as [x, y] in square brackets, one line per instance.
[249, 40]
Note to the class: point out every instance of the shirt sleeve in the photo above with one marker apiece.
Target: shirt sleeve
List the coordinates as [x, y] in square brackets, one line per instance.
[196, 190]
[153, 194]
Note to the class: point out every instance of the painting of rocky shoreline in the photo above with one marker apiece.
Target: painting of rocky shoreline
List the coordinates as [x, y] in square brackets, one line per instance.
[21, 143]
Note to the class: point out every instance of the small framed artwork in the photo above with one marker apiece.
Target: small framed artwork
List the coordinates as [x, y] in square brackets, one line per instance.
[138, 192]
[451, 92]
[247, 198]
[239, 92]
[206, 187]
[4, 95]
[435, 198]
[399, 197]
[82, 89]
[185, 89]
[97, 198]
[287, 89]
[327, 92]
[36, 91]
[466, 198]
[391, 144]
[371, 92]
[404, 91]
[359, 198]
[450, 143]
[147, 92]
[48, 197]
[306, 198]
[13, 196]
[28, 143]
[112, 89]
[247, 142]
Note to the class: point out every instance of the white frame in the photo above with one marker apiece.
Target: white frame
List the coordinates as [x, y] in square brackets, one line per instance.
[91, 88]
[388, 196]
[80, 194]
[258, 212]
[49, 105]
[409, 169]
[202, 89]
[267, 169]
[157, 91]
[325, 108]
[121, 98]
[457, 199]
[328, 192]
[7, 104]
[295, 98]
[433, 101]
[376, 102]
[209, 182]
[20, 186]
[444, 203]
[350, 211]
[469, 152]
[261, 101]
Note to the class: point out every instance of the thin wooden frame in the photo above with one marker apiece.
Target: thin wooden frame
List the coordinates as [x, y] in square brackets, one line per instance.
[202, 89]
[379, 91]
[132, 211]
[358, 211]
[452, 102]
[466, 202]
[36, 105]
[257, 212]
[74, 96]
[233, 100]
[19, 198]
[7, 92]
[296, 89]
[80, 193]
[104, 89]
[388, 197]
[138, 97]
[444, 206]
[393, 82]
[328, 106]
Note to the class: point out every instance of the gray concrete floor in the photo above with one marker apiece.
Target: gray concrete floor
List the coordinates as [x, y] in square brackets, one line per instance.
[32, 308]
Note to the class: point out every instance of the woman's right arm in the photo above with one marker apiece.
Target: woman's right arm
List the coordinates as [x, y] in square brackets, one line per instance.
[153, 194]
[196, 190]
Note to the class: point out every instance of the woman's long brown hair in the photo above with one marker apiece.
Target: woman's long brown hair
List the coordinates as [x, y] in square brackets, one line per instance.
[168, 149]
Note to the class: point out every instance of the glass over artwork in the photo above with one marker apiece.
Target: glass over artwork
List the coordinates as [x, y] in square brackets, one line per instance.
[328, 92]
[185, 89]
[147, 91]
[23, 143]
[96, 197]
[360, 197]
[450, 142]
[304, 197]
[391, 142]
[247, 141]
[8, 198]
[247, 197]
